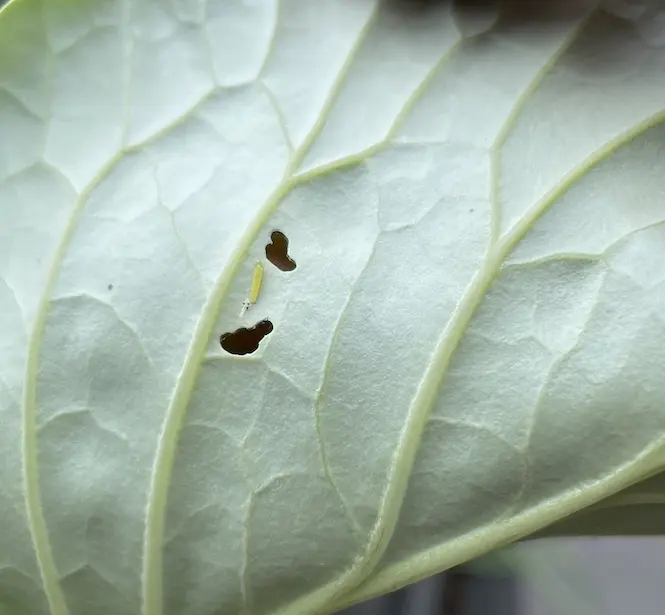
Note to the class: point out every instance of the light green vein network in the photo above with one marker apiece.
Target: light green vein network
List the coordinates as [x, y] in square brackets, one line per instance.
[475, 544]
[155, 525]
[323, 598]
[33, 502]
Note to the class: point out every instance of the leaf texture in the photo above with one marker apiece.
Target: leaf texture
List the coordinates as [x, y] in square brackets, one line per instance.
[468, 350]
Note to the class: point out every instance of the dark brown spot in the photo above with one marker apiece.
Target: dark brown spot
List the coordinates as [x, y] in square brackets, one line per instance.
[244, 340]
[277, 252]
[110, 287]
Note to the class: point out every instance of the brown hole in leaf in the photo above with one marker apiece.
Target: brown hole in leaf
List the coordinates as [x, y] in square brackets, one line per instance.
[245, 340]
[277, 252]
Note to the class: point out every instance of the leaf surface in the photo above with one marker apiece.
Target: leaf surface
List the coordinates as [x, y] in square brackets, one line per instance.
[468, 350]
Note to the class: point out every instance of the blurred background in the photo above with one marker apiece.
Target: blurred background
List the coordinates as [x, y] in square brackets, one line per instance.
[558, 576]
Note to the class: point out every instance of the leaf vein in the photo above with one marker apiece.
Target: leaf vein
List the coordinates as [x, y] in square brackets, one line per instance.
[33, 500]
[495, 151]
[467, 547]
[317, 403]
[152, 573]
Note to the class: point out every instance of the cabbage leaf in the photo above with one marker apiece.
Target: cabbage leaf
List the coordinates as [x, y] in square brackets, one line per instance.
[466, 347]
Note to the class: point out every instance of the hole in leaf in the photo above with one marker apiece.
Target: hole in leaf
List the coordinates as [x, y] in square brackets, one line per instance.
[277, 252]
[245, 340]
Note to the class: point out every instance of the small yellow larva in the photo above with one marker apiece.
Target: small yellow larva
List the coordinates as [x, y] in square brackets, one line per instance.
[254, 289]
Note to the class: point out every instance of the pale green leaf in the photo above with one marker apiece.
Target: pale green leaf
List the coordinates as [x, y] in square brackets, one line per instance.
[469, 349]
